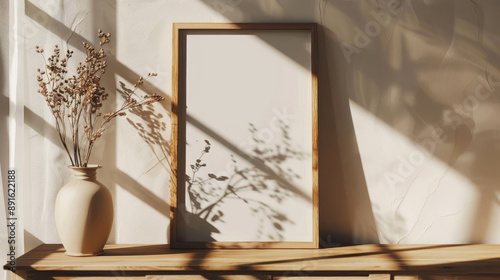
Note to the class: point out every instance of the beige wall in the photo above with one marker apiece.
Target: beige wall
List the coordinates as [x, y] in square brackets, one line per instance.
[409, 114]
[423, 95]
[4, 115]
[4, 83]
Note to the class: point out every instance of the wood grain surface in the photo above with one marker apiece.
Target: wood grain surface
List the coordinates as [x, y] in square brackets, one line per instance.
[409, 260]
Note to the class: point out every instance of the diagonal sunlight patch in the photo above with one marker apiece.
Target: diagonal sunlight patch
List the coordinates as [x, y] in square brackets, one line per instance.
[223, 6]
[124, 180]
[256, 163]
[62, 31]
[407, 184]
[125, 72]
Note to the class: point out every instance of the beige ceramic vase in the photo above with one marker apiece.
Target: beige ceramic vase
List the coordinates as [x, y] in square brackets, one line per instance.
[84, 213]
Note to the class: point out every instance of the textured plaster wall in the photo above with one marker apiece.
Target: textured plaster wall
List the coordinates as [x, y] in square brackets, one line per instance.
[423, 94]
[409, 114]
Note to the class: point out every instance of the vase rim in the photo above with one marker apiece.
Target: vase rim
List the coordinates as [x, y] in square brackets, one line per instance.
[89, 166]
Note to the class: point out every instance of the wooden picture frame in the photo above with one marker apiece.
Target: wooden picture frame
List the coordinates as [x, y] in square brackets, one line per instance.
[230, 189]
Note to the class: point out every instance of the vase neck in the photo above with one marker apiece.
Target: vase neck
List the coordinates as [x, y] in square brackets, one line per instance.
[85, 173]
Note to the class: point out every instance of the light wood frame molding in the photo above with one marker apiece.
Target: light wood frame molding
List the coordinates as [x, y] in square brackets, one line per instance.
[179, 119]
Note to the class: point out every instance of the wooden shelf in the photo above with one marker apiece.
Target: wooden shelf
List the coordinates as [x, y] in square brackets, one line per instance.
[139, 261]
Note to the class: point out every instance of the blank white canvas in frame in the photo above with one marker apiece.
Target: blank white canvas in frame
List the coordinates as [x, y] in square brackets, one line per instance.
[248, 149]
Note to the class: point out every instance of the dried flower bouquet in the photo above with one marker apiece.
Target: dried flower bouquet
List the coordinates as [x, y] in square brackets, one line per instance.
[76, 101]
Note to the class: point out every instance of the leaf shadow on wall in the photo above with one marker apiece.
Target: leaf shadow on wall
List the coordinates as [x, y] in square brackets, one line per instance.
[424, 65]
[151, 127]
[430, 75]
[339, 204]
[48, 131]
[122, 179]
[345, 211]
[207, 192]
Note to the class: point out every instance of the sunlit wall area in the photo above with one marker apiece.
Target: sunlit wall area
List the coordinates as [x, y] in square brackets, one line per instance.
[409, 114]
[421, 80]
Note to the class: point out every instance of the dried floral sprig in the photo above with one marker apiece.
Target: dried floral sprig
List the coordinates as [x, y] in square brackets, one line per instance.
[76, 101]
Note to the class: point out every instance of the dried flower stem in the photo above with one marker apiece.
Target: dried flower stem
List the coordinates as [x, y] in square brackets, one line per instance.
[76, 102]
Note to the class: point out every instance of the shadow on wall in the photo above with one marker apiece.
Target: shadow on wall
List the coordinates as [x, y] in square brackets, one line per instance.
[427, 71]
[345, 213]
[246, 183]
[151, 128]
[345, 204]
[4, 122]
[151, 132]
[4, 92]
[104, 15]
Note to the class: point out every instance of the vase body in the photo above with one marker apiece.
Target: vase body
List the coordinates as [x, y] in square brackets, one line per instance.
[84, 213]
